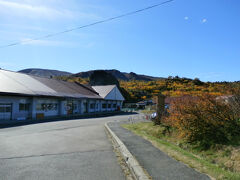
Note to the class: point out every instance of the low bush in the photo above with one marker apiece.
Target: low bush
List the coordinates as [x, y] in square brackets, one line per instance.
[205, 120]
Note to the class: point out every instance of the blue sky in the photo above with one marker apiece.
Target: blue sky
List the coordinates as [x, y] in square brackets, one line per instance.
[187, 38]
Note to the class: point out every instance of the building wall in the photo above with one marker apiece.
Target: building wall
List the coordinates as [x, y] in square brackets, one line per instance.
[115, 94]
[92, 106]
[15, 101]
[84, 106]
[47, 107]
[97, 107]
[71, 106]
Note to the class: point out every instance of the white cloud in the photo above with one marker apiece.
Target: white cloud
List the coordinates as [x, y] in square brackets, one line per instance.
[186, 18]
[38, 11]
[204, 20]
[23, 27]
[52, 43]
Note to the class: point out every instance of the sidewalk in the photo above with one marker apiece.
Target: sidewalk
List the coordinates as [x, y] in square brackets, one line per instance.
[159, 165]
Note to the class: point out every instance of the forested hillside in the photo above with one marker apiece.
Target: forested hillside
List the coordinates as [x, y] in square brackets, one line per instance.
[172, 86]
[176, 86]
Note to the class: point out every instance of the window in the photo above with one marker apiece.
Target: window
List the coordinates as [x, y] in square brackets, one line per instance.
[104, 106]
[114, 105]
[24, 107]
[74, 106]
[55, 107]
[47, 107]
[8, 109]
[38, 107]
[5, 108]
[92, 106]
[109, 106]
[97, 106]
[44, 107]
[2, 109]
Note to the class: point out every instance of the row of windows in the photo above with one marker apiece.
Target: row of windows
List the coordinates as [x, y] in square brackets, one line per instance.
[52, 107]
[104, 106]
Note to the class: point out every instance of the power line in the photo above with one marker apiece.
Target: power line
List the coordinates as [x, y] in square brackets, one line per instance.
[88, 25]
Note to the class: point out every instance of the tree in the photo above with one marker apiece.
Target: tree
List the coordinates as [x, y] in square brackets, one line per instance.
[197, 82]
[101, 77]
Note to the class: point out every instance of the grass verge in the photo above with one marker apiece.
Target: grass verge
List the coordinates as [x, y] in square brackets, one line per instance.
[194, 160]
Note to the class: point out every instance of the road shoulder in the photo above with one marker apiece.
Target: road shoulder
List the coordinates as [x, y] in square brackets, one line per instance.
[137, 172]
[158, 164]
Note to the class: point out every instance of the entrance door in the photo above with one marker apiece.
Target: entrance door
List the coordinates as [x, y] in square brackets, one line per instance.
[85, 107]
[5, 111]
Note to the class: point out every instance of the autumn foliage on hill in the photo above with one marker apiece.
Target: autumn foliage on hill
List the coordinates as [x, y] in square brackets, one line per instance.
[173, 87]
[205, 119]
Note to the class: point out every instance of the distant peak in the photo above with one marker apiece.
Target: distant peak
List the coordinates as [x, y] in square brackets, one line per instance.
[45, 72]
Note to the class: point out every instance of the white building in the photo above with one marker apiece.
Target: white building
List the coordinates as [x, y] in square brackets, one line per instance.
[30, 97]
[113, 98]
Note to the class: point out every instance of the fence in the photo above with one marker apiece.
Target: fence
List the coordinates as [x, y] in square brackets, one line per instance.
[139, 118]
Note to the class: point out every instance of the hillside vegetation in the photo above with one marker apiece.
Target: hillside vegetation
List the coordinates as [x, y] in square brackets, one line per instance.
[172, 86]
[137, 87]
[140, 90]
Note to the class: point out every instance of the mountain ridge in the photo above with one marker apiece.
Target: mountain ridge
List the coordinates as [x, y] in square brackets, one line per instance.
[86, 74]
[48, 73]
[119, 75]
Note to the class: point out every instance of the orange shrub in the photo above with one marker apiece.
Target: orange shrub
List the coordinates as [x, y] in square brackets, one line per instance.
[204, 119]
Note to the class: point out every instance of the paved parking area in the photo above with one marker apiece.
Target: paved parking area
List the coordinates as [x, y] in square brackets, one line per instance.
[74, 149]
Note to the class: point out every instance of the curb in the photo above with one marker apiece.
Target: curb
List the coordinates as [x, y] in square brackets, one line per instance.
[135, 168]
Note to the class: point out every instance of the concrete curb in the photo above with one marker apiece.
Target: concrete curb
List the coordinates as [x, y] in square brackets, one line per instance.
[135, 168]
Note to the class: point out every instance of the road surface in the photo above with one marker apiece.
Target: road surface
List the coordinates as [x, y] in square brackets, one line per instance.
[62, 150]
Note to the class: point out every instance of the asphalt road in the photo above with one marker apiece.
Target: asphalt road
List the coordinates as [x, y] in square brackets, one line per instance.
[63, 150]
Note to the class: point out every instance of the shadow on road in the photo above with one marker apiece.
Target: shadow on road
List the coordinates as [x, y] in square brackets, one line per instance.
[15, 123]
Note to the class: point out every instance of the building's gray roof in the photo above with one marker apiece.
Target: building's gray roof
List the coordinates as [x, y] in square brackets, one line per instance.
[22, 84]
[103, 91]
